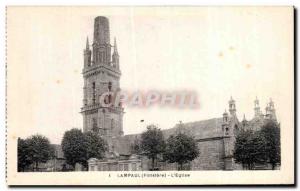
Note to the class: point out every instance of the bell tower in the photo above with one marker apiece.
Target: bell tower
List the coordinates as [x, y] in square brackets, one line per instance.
[230, 128]
[270, 111]
[257, 111]
[101, 74]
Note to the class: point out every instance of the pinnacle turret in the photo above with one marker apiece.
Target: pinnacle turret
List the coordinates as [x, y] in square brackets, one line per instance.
[87, 43]
[115, 47]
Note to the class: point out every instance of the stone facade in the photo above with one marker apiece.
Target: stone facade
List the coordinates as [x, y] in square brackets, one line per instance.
[259, 118]
[101, 74]
[215, 137]
[211, 155]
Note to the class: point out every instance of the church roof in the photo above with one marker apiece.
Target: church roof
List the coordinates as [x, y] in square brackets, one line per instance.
[199, 130]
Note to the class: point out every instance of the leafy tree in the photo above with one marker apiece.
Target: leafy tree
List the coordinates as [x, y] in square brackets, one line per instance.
[23, 157]
[74, 147]
[240, 152]
[181, 149]
[249, 148]
[39, 149]
[96, 146]
[152, 143]
[271, 133]
[78, 147]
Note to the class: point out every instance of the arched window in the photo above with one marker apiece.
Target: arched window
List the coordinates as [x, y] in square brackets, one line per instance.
[226, 131]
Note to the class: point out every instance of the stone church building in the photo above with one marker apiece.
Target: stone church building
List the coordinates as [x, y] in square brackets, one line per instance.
[101, 73]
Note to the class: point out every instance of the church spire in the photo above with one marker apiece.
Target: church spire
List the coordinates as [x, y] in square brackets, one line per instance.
[115, 56]
[87, 54]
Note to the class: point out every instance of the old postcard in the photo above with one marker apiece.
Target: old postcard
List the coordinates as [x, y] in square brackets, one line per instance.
[150, 95]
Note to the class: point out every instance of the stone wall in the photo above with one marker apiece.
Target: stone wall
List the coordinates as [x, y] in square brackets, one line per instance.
[211, 156]
[115, 164]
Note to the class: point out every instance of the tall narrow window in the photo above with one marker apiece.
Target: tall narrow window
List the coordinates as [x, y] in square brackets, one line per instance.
[109, 89]
[109, 86]
[94, 92]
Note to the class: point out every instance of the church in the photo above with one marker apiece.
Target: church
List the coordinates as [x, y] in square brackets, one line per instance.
[215, 137]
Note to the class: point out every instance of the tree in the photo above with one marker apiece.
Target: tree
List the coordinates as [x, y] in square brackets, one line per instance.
[74, 147]
[249, 148]
[39, 149]
[271, 133]
[78, 147]
[23, 157]
[181, 149]
[240, 153]
[96, 146]
[152, 143]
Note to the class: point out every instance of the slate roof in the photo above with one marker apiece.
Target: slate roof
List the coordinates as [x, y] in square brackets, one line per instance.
[198, 129]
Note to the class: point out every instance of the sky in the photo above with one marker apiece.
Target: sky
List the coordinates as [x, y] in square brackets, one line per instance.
[215, 52]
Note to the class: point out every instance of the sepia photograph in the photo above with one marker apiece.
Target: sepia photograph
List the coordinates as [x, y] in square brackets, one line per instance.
[150, 95]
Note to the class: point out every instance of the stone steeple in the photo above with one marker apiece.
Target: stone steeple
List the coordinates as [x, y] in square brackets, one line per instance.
[101, 43]
[101, 76]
